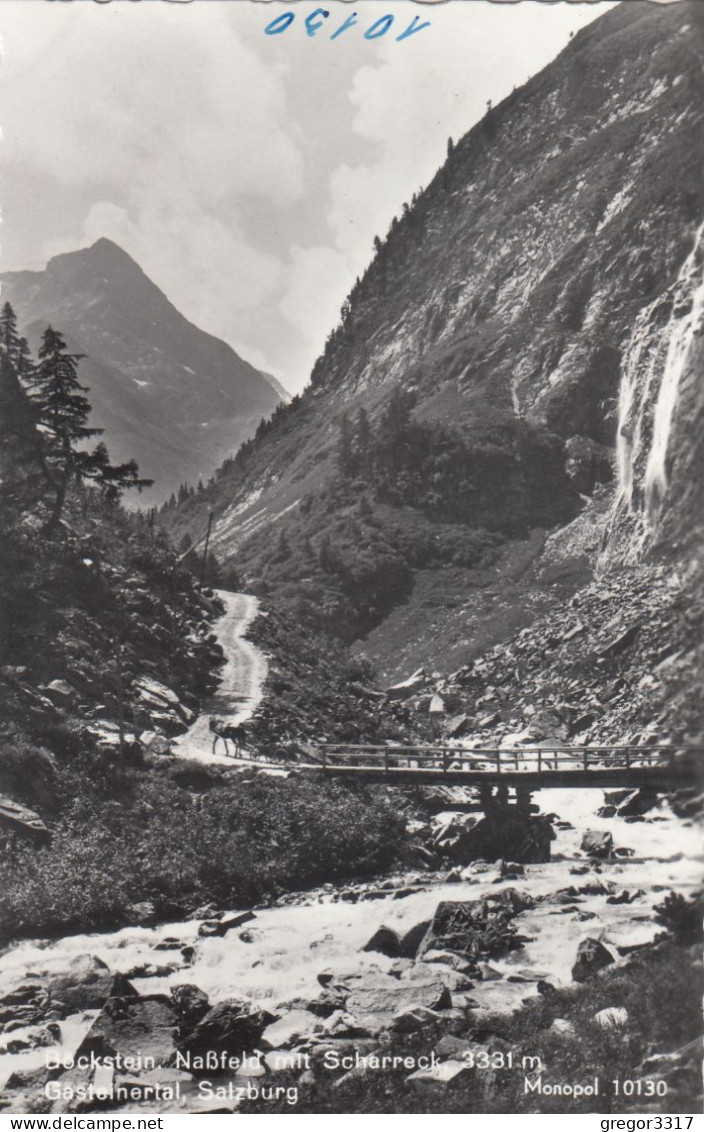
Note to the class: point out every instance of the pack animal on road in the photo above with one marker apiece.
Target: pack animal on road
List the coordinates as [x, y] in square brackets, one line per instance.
[235, 733]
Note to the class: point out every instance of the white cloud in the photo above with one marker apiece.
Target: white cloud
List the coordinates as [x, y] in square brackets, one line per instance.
[247, 175]
[175, 124]
[409, 99]
[317, 284]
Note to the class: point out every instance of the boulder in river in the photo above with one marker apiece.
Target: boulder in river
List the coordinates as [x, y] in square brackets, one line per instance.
[510, 870]
[86, 984]
[216, 928]
[328, 1001]
[487, 973]
[637, 803]
[25, 1005]
[452, 834]
[477, 928]
[385, 941]
[411, 941]
[455, 981]
[412, 1018]
[450, 959]
[289, 1029]
[191, 1003]
[592, 957]
[439, 1078]
[137, 1027]
[597, 843]
[507, 833]
[340, 1024]
[615, 797]
[375, 1003]
[234, 1026]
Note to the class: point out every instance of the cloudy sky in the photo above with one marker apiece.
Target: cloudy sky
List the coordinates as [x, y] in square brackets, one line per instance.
[246, 173]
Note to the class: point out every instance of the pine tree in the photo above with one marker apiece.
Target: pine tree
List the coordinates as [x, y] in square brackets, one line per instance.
[63, 411]
[326, 558]
[365, 508]
[9, 338]
[25, 365]
[392, 441]
[397, 414]
[363, 443]
[113, 478]
[345, 450]
[23, 473]
[283, 548]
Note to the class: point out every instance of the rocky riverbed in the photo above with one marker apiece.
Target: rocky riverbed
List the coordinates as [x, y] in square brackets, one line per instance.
[315, 968]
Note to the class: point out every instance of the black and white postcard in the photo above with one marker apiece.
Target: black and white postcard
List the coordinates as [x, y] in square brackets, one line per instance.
[351, 573]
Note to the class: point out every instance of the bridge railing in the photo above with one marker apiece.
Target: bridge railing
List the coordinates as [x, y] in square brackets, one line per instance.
[500, 760]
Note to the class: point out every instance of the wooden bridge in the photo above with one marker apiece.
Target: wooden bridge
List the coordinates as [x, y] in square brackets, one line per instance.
[526, 768]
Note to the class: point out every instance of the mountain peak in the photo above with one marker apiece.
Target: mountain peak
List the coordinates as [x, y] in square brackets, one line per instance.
[105, 246]
[103, 255]
[174, 397]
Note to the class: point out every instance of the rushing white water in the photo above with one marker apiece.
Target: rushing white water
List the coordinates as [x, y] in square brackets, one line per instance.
[289, 945]
[637, 379]
[241, 680]
[654, 363]
[685, 321]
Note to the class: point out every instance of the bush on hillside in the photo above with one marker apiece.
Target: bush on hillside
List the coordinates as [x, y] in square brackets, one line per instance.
[131, 836]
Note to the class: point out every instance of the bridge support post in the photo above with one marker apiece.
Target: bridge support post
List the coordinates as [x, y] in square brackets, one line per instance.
[524, 795]
[486, 800]
[511, 830]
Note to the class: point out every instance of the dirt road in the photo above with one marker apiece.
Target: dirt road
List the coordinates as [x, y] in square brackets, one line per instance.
[241, 681]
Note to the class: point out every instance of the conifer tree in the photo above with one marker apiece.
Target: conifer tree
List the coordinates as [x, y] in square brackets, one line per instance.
[283, 549]
[326, 559]
[9, 338]
[363, 443]
[23, 473]
[345, 449]
[25, 365]
[63, 412]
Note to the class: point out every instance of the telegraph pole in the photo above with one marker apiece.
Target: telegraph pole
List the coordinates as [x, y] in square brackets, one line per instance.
[205, 548]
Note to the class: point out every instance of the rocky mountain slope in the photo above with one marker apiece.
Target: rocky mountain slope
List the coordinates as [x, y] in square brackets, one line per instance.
[541, 295]
[175, 398]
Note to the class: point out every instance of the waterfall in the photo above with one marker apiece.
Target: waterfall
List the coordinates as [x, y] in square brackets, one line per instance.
[635, 384]
[653, 365]
[685, 320]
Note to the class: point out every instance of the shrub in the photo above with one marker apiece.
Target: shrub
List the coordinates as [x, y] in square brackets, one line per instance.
[682, 917]
[237, 842]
